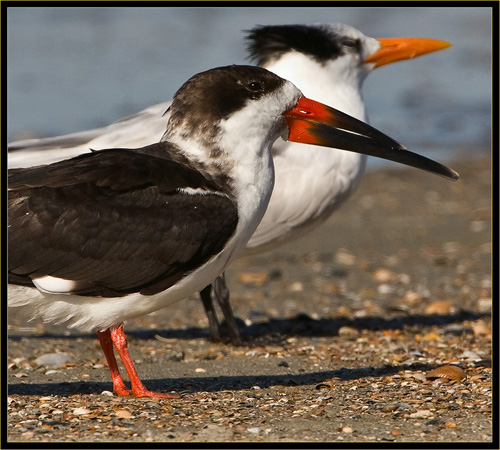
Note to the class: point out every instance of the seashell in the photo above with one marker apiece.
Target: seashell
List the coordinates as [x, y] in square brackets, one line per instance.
[449, 372]
[253, 278]
[384, 275]
[348, 332]
[123, 414]
[480, 328]
[80, 411]
[439, 307]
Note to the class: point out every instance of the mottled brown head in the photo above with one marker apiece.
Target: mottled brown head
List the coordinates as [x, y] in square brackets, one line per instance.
[211, 96]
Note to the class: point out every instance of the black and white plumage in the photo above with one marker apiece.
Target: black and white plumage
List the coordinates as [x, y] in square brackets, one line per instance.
[99, 220]
[127, 223]
[329, 63]
[119, 233]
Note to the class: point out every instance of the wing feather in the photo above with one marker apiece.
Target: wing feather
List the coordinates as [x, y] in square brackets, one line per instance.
[115, 222]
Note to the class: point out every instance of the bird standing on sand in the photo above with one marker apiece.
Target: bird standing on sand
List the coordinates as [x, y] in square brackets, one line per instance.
[329, 63]
[116, 234]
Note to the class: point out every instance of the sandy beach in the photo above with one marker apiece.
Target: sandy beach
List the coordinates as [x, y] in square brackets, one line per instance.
[348, 336]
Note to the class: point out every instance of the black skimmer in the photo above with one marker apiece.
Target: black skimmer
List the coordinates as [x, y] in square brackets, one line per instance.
[329, 63]
[116, 234]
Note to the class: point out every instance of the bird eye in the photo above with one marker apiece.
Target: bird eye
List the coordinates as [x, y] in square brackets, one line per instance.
[254, 86]
[351, 43]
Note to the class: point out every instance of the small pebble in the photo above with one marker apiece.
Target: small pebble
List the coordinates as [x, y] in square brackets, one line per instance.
[421, 414]
[55, 360]
[473, 356]
[348, 332]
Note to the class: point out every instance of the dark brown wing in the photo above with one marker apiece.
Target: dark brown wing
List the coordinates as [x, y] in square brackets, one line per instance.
[115, 221]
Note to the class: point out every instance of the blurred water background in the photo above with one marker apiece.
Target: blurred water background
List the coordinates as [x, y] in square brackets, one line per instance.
[71, 69]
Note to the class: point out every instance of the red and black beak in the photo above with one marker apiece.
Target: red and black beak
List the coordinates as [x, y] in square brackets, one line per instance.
[311, 122]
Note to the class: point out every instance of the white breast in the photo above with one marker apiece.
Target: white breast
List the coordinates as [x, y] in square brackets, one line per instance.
[311, 182]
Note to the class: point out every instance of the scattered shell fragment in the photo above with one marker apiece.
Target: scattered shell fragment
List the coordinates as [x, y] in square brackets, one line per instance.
[123, 414]
[344, 257]
[21, 375]
[296, 287]
[421, 414]
[453, 373]
[480, 328]
[164, 339]
[477, 377]
[439, 307]
[385, 289]
[253, 278]
[484, 304]
[343, 311]
[80, 411]
[20, 363]
[419, 376]
[471, 356]
[348, 332]
[432, 336]
[384, 275]
[412, 298]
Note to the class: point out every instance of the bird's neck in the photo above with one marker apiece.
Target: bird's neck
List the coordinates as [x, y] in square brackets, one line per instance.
[239, 154]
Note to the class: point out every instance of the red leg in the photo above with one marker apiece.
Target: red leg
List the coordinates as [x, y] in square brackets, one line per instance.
[138, 389]
[107, 347]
